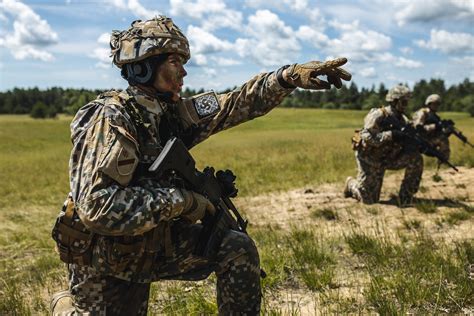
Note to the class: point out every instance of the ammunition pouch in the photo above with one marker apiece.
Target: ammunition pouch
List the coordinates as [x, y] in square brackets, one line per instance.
[73, 239]
[356, 140]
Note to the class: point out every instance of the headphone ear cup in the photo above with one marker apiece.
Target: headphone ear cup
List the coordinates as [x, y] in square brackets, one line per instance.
[137, 69]
[140, 72]
[144, 74]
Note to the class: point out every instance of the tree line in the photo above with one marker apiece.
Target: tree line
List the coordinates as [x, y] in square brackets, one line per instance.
[50, 102]
[458, 98]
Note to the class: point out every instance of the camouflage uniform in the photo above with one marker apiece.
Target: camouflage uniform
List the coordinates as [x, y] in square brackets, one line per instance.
[120, 228]
[135, 239]
[428, 120]
[378, 152]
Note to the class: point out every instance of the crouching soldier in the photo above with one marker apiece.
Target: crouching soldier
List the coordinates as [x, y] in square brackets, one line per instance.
[381, 145]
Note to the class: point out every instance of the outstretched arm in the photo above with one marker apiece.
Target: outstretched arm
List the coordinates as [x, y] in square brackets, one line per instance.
[265, 91]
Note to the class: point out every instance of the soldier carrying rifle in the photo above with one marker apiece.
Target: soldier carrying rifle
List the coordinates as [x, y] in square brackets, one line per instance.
[435, 130]
[389, 141]
[123, 227]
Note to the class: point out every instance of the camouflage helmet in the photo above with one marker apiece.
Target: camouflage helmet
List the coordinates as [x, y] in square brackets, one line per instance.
[148, 38]
[398, 92]
[432, 98]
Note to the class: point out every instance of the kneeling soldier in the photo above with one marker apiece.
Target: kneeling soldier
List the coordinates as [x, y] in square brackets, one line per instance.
[120, 228]
[380, 146]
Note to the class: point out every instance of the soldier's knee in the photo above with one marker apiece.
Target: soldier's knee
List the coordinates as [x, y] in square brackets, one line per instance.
[240, 243]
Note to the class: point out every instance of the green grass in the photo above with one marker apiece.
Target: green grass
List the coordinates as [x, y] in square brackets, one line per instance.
[413, 224]
[286, 149]
[421, 276]
[456, 217]
[326, 213]
[426, 207]
[313, 257]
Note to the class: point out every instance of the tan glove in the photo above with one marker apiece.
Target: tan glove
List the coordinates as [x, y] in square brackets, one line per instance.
[306, 75]
[195, 206]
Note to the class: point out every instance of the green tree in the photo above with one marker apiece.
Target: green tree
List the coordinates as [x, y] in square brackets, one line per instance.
[39, 110]
[373, 101]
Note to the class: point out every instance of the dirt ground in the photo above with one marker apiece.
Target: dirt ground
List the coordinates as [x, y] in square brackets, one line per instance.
[455, 191]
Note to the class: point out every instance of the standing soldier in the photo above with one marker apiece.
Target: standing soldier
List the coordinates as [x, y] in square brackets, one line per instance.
[380, 146]
[121, 229]
[427, 121]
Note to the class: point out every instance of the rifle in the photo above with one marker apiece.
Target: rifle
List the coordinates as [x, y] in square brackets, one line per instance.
[448, 128]
[413, 138]
[424, 146]
[176, 163]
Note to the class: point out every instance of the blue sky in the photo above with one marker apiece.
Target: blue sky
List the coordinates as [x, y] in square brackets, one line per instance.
[65, 42]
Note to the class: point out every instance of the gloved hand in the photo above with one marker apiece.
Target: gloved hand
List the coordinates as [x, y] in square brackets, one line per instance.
[195, 206]
[438, 126]
[306, 75]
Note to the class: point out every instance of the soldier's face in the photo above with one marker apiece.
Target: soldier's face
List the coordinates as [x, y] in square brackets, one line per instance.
[434, 106]
[170, 76]
[401, 105]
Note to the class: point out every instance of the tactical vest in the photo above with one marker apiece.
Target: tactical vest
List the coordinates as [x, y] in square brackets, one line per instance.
[75, 243]
[356, 140]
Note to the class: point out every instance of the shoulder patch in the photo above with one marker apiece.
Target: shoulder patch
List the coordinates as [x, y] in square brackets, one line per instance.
[126, 162]
[199, 107]
[206, 104]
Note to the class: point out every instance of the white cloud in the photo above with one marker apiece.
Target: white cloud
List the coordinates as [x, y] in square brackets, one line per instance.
[140, 11]
[422, 11]
[204, 42]
[210, 72]
[465, 60]
[311, 35]
[408, 63]
[135, 7]
[357, 44]
[368, 72]
[271, 42]
[406, 50]
[198, 60]
[221, 61]
[448, 42]
[104, 38]
[102, 65]
[31, 34]
[102, 52]
[213, 14]
[302, 7]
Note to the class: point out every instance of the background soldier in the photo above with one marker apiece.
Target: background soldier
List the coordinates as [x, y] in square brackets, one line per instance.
[379, 146]
[427, 121]
[120, 228]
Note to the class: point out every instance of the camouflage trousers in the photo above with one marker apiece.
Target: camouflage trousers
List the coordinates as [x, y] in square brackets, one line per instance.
[442, 145]
[367, 186]
[236, 266]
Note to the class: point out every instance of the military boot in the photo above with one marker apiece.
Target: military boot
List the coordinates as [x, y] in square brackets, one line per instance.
[347, 189]
[405, 199]
[62, 304]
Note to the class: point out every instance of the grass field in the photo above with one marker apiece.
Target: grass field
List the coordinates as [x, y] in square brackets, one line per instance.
[286, 149]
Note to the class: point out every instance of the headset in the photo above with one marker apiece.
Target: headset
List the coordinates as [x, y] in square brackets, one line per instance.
[143, 71]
